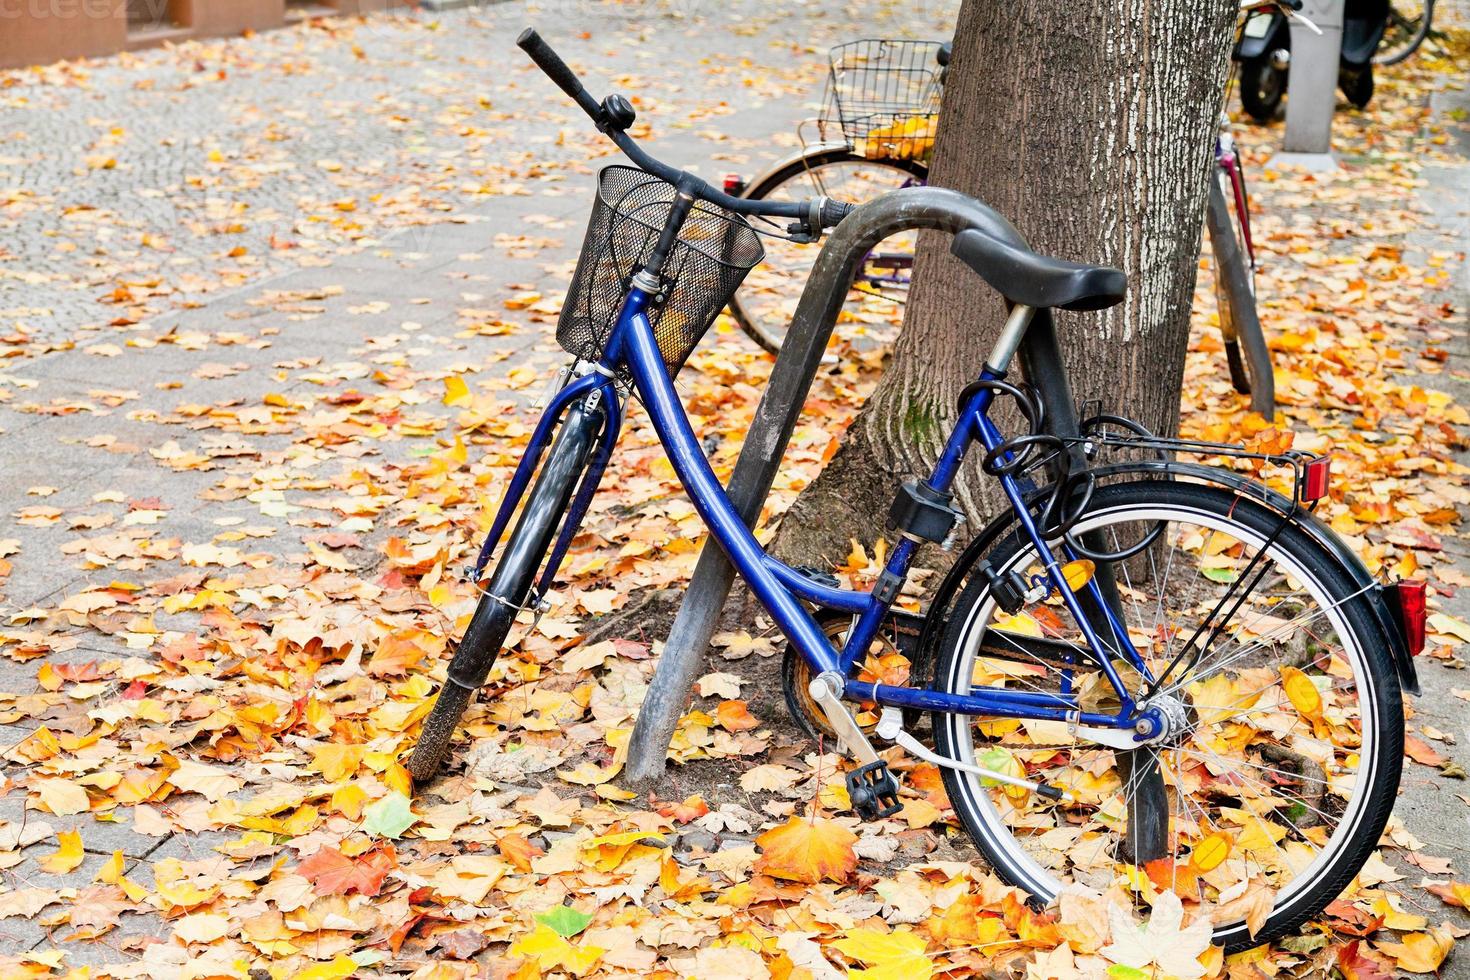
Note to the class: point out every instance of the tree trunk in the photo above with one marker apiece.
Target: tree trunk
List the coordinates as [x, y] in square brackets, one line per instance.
[1090, 127]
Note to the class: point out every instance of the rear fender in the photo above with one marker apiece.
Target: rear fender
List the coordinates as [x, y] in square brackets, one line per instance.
[1333, 549]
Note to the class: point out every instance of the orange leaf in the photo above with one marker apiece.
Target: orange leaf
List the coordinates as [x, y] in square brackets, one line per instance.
[691, 809]
[1453, 893]
[807, 851]
[334, 873]
[1422, 752]
[395, 655]
[735, 716]
[518, 850]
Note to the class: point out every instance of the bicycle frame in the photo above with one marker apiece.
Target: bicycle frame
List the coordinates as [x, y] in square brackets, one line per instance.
[632, 352]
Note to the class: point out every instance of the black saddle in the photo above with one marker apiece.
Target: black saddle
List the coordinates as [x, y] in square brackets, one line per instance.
[1022, 276]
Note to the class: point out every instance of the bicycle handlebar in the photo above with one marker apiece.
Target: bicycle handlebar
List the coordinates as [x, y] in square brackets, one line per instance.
[557, 70]
[614, 114]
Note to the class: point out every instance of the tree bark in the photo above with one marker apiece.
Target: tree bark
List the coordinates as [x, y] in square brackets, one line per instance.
[1090, 127]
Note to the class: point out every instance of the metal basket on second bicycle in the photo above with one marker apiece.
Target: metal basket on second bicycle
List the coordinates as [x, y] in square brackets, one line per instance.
[714, 251]
[883, 96]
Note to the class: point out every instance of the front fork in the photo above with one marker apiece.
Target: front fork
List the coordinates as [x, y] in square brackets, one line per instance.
[585, 415]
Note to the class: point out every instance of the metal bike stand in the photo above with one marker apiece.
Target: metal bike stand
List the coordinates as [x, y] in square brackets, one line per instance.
[775, 418]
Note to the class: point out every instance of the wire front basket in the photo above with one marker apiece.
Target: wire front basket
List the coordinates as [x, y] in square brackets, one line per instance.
[715, 250]
[884, 97]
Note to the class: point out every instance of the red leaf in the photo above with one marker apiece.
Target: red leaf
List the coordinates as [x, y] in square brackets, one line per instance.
[1349, 920]
[1358, 962]
[334, 873]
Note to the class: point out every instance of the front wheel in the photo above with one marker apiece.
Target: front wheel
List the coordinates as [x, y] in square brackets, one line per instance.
[1276, 773]
[507, 591]
[765, 303]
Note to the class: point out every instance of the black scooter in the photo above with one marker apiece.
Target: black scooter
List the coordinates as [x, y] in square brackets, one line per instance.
[1264, 53]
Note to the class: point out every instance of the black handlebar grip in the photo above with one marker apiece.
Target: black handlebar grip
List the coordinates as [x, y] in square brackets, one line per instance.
[834, 211]
[550, 62]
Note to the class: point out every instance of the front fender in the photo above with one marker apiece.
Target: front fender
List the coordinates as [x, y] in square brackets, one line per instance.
[1278, 35]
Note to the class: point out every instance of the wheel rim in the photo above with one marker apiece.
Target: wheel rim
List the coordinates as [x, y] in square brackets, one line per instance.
[1268, 86]
[988, 803]
[767, 299]
[1408, 25]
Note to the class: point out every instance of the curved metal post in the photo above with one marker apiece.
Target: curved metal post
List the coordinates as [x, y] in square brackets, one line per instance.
[775, 419]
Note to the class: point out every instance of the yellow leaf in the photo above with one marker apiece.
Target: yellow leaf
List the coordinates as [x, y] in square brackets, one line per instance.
[337, 761]
[551, 951]
[1421, 952]
[456, 392]
[111, 872]
[67, 857]
[336, 969]
[889, 956]
[61, 797]
[807, 850]
[1394, 917]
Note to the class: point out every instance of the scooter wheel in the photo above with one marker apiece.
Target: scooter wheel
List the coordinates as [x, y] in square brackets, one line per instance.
[1262, 87]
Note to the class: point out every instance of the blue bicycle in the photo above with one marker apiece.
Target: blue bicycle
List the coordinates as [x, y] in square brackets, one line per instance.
[1147, 672]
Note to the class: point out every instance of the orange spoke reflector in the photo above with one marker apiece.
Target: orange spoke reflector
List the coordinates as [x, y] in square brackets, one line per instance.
[1078, 573]
[1208, 853]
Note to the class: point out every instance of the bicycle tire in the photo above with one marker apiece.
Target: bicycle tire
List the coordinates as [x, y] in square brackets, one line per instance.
[767, 335]
[1374, 684]
[1247, 354]
[514, 574]
[1416, 39]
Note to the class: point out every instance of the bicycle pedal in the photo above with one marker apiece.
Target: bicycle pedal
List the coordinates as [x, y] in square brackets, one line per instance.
[873, 791]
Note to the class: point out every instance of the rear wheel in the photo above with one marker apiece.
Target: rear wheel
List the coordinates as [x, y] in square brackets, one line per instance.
[1280, 762]
[511, 583]
[766, 301]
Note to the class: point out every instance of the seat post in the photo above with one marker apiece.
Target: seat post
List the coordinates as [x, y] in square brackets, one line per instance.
[1010, 338]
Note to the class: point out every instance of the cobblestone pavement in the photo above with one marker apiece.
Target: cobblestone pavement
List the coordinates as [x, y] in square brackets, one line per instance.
[293, 212]
[171, 175]
[359, 173]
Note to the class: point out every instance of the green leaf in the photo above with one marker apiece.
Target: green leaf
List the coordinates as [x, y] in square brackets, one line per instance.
[1225, 575]
[1120, 972]
[388, 817]
[565, 921]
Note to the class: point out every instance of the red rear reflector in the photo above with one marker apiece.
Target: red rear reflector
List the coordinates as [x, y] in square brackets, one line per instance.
[1411, 595]
[734, 184]
[1316, 476]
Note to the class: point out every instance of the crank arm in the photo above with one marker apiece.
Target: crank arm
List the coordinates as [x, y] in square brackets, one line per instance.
[826, 690]
[1113, 738]
[890, 728]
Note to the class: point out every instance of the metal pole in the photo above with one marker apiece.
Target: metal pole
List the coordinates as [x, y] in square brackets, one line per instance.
[1311, 88]
[775, 419]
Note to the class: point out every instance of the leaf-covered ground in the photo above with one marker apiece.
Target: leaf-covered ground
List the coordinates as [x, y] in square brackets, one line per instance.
[275, 314]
